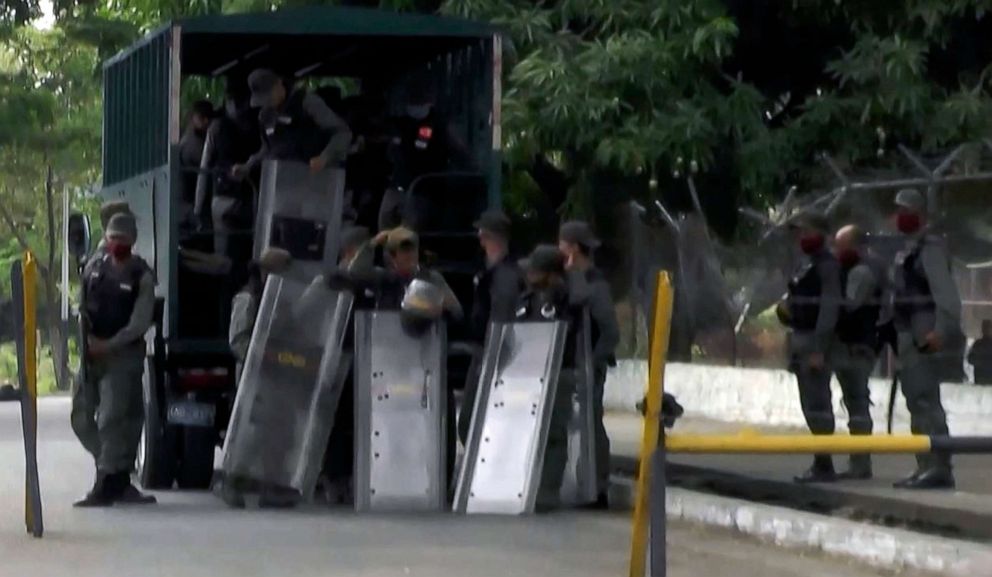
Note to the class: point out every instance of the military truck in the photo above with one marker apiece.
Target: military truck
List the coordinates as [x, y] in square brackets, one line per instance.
[189, 380]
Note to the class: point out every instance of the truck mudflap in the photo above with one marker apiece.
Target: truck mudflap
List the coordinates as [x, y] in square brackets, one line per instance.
[579, 486]
[400, 415]
[300, 211]
[504, 457]
[290, 387]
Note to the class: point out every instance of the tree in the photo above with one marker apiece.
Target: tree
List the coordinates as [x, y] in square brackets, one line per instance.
[746, 92]
[49, 144]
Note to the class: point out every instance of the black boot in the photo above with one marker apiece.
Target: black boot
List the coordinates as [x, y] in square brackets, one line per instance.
[130, 495]
[98, 495]
[933, 477]
[602, 503]
[822, 471]
[859, 469]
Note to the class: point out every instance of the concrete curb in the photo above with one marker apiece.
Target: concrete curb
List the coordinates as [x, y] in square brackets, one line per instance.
[768, 397]
[881, 547]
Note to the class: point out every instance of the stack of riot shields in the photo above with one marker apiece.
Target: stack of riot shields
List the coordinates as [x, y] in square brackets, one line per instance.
[400, 414]
[289, 391]
[300, 211]
[504, 456]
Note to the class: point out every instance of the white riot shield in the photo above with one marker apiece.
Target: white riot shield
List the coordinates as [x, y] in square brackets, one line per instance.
[290, 386]
[301, 212]
[579, 483]
[504, 457]
[400, 415]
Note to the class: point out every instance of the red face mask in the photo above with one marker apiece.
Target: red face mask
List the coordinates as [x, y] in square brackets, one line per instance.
[119, 250]
[908, 222]
[811, 242]
[848, 257]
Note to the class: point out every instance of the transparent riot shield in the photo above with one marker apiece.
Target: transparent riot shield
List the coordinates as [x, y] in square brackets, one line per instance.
[579, 484]
[290, 387]
[301, 212]
[504, 456]
[400, 415]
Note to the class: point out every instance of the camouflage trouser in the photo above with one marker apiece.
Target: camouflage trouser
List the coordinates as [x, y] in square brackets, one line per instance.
[556, 453]
[108, 409]
[919, 375]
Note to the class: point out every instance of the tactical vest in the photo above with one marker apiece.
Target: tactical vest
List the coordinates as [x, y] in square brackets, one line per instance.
[424, 147]
[860, 326]
[805, 290]
[111, 292]
[233, 144]
[910, 287]
[548, 306]
[291, 134]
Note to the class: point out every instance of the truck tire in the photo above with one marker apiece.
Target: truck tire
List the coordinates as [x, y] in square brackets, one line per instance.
[156, 462]
[196, 466]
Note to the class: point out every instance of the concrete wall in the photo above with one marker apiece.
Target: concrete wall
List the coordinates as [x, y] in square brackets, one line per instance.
[770, 397]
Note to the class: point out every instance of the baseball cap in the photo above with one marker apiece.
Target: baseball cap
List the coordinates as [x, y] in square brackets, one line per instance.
[401, 237]
[912, 199]
[578, 232]
[123, 225]
[494, 221]
[111, 208]
[261, 82]
[544, 258]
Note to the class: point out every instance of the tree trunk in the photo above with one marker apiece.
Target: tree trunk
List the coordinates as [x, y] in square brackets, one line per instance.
[56, 334]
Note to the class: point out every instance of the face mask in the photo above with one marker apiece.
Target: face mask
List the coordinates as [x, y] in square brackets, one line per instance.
[908, 222]
[811, 243]
[848, 257]
[418, 111]
[119, 250]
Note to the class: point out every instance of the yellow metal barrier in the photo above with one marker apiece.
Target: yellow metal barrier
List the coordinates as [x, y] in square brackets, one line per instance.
[756, 443]
[24, 281]
[660, 330]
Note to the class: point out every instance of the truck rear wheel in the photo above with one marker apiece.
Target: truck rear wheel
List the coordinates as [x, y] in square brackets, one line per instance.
[156, 462]
[196, 466]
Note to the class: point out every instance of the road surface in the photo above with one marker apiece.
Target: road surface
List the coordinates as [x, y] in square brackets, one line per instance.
[193, 534]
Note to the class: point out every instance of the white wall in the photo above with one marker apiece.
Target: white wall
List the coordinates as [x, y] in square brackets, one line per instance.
[770, 397]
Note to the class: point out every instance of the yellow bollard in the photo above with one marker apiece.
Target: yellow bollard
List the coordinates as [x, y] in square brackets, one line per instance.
[25, 282]
[661, 328]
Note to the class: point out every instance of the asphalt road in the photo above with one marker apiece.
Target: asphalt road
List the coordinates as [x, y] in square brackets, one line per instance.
[193, 534]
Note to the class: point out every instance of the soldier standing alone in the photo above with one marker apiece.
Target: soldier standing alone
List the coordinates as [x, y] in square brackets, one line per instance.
[107, 409]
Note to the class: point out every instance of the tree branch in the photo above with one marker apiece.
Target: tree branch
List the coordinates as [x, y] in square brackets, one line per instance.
[18, 235]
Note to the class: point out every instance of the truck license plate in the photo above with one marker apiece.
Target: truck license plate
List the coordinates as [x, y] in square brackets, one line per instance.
[191, 414]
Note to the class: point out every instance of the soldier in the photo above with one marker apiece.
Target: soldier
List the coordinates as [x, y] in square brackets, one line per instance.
[244, 306]
[810, 310]
[296, 125]
[853, 354]
[589, 287]
[223, 201]
[118, 300]
[497, 289]
[927, 315]
[546, 299]
[107, 211]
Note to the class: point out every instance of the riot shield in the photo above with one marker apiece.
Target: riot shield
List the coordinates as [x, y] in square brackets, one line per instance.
[400, 415]
[579, 484]
[301, 212]
[290, 386]
[504, 457]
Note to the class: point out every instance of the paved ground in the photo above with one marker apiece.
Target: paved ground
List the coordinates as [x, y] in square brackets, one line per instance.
[192, 534]
[974, 484]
